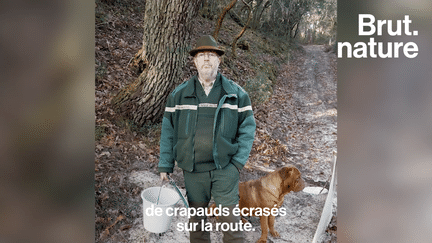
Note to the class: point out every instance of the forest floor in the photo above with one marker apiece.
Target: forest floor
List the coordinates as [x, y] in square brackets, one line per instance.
[297, 125]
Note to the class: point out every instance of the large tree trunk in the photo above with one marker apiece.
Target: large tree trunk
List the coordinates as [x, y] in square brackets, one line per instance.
[166, 42]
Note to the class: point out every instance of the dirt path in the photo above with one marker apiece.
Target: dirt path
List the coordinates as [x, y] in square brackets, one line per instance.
[298, 126]
[301, 116]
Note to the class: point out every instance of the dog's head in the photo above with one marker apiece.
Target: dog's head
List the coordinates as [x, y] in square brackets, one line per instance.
[291, 179]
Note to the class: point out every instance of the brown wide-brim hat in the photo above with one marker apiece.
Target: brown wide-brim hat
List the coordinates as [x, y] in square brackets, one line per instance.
[206, 43]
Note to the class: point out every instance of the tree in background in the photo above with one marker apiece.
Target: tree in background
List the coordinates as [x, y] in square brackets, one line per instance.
[249, 17]
[221, 18]
[166, 41]
[319, 24]
[245, 26]
[292, 19]
[260, 6]
[284, 16]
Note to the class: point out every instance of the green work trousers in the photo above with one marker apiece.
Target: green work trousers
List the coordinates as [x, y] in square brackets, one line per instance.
[223, 186]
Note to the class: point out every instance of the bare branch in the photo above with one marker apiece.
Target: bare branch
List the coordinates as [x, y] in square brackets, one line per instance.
[233, 45]
[221, 18]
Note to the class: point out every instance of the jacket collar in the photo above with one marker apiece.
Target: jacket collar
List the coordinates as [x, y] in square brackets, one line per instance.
[226, 85]
[190, 87]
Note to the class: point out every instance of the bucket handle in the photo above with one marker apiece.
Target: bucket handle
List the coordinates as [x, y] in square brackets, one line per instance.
[160, 189]
[172, 182]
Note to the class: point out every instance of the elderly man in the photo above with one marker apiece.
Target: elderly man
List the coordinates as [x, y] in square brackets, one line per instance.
[208, 128]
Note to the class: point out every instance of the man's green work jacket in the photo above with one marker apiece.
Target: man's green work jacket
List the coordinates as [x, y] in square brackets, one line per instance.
[233, 130]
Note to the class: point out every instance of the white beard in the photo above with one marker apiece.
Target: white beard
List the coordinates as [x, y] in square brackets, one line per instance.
[207, 69]
[207, 73]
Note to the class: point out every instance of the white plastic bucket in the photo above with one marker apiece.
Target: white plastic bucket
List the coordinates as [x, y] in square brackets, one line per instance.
[155, 218]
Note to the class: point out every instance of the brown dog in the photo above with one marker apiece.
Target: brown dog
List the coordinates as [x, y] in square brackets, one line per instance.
[269, 192]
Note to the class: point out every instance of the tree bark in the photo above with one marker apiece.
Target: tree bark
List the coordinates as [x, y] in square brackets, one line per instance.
[166, 42]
